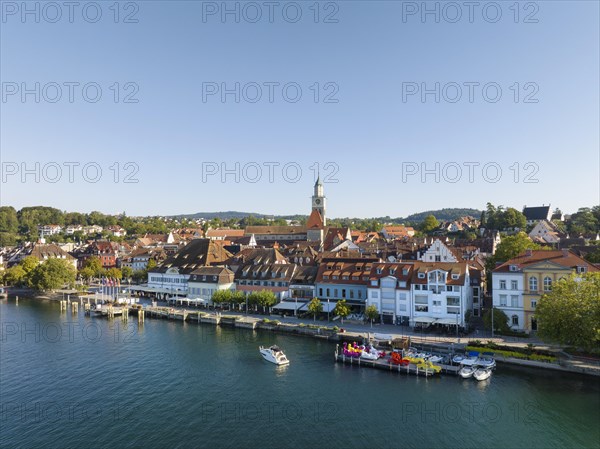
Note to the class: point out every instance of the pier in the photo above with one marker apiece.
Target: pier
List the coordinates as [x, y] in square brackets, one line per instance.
[386, 364]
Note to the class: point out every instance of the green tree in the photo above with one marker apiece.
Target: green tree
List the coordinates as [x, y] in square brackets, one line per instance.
[53, 274]
[9, 222]
[151, 264]
[570, 312]
[342, 309]
[127, 272]
[14, 276]
[429, 224]
[95, 265]
[221, 296]
[372, 313]
[87, 274]
[238, 298]
[514, 245]
[500, 320]
[315, 306]
[114, 273]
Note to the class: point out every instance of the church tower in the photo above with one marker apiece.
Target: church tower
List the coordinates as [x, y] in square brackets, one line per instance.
[318, 200]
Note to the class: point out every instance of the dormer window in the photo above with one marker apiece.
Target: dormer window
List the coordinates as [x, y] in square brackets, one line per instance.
[581, 269]
[421, 275]
[455, 276]
[513, 268]
[392, 271]
[404, 271]
[325, 277]
[378, 270]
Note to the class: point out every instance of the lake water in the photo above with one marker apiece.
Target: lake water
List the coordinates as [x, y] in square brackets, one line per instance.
[76, 381]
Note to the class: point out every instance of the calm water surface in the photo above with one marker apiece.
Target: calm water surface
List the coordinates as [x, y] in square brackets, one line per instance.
[75, 381]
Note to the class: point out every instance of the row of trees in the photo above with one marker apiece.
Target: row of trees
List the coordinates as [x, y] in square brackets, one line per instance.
[49, 275]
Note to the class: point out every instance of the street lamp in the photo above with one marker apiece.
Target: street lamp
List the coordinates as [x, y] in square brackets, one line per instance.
[328, 310]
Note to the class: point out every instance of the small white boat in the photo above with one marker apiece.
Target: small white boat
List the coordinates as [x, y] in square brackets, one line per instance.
[436, 358]
[466, 371]
[486, 362]
[274, 355]
[482, 373]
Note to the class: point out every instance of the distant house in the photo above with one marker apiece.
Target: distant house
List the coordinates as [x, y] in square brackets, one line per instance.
[72, 229]
[397, 232]
[116, 230]
[438, 252]
[545, 231]
[535, 214]
[224, 234]
[51, 229]
[44, 252]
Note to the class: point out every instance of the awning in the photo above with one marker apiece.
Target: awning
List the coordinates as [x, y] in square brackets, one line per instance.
[423, 319]
[287, 305]
[327, 306]
[446, 321]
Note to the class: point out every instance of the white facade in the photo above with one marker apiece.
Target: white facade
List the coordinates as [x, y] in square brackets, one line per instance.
[438, 252]
[433, 301]
[170, 281]
[507, 295]
[440, 301]
[205, 290]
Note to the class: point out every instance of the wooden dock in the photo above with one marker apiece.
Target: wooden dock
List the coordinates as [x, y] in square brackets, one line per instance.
[385, 363]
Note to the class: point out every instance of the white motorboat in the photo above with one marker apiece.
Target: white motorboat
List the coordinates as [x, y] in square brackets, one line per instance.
[482, 373]
[436, 358]
[486, 362]
[465, 361]
[466, 371]
[274, 355]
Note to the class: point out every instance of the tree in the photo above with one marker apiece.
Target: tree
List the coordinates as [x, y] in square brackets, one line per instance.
[429, 224]
[53, 274]
[114, 273]
[570, 312]
[514, 245]
[221, 296]
[127, 272]
[372, 313]
[238, 297]
[95, 265]
[29, 264]
[315, 306]
[500, 320]
[151, 264]
[14, 276]
[342, 309]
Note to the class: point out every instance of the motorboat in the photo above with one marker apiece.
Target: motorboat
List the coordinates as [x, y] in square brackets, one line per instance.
[274, 355]
[465, 361]
[486, 362]
[482, 373]
[466, 371]
[436, 358]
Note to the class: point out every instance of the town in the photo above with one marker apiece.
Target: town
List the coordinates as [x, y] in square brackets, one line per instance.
[434, 276]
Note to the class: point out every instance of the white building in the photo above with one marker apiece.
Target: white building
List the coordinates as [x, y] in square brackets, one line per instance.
[438, 252]
[421, 293]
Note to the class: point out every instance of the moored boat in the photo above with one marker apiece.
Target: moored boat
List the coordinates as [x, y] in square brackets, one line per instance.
[466, 371]
[482, 373]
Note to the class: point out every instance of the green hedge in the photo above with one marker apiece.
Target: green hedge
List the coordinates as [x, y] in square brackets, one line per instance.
[515, 354]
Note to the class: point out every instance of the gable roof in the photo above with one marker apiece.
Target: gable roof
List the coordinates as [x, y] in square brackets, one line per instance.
[315, 221]
[565, 258]
[537, 213]
[196, 254]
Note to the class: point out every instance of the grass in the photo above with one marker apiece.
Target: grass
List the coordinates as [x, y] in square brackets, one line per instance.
[515, 354]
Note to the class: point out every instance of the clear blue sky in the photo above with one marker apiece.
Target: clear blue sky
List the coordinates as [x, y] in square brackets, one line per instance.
[369, 133]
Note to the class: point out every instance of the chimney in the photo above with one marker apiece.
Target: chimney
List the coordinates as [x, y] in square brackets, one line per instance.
[565, 252]
[528, 252]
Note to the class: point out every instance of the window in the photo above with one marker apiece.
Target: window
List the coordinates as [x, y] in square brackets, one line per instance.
[417, 287]
[438, 259]
[325, 277]
[360, 294]
[328, 292]
[437, 302]
[502, 300]
[365, 278]
[547, 284]
[455, 276]
[378, 270]
[355, 278]
[320, 292]
[421, 275]
[533, 304]
[453, 301]
[515, 320]
[345, 278]
[392, 271]
[351, 294]
[513, 285]
[343, 293]
[374, 283]
[514, 300]
[502, 285]
[375, 295]
[334, 277]
[335, 292]
[533, 286]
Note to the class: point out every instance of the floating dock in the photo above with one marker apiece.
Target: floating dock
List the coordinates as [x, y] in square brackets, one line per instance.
[385, 363]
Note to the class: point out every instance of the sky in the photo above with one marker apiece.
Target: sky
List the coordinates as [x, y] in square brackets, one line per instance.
[163, 108]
